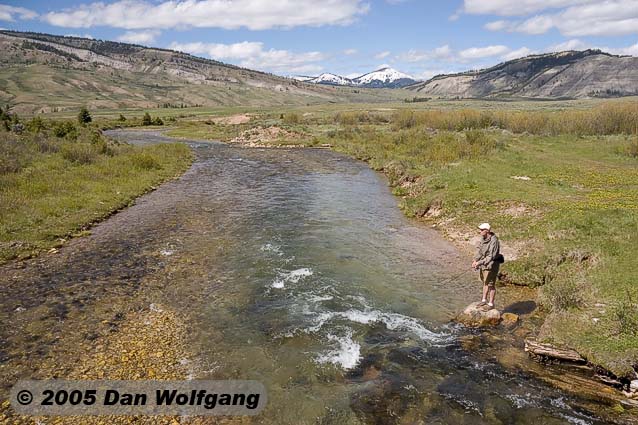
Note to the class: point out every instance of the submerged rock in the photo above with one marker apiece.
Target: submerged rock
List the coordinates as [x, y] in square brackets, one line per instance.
[509, 319]
[476, 316]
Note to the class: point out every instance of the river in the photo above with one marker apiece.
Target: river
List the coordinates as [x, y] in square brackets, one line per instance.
[296, 268]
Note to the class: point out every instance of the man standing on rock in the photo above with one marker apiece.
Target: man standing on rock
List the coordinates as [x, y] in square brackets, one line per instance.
[487, 261]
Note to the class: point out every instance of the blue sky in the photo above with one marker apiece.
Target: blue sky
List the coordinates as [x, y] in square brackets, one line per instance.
[347, 37]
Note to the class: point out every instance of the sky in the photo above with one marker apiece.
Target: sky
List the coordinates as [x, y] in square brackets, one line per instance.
[347, 37]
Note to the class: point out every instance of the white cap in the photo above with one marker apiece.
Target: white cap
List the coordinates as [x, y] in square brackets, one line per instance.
[484, 226]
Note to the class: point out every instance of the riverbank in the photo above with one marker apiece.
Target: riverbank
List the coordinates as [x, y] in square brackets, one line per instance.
[310, 320]
[57, 179]
[144, 345]
[558, 187]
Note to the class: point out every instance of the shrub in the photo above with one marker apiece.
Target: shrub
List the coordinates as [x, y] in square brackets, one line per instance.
[35, 125]
[84, 117]
[564, 294]
[625, 314]
[147, 120]
[65, 128]
[632, 148]
[45, 144]
[122, 118]
[14, 154]
[291, 118]
[145, 161]
[79, 153]
[158, 121]
[404, 119]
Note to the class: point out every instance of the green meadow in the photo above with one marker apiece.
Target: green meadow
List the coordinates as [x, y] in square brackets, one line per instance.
[57, 178]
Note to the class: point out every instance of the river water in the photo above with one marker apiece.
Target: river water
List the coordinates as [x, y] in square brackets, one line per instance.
[296, 268]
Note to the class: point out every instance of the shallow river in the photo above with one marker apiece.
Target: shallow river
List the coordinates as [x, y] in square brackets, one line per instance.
[296, 268]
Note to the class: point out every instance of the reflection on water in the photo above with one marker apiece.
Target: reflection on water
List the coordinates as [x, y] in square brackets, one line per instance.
[297, 269]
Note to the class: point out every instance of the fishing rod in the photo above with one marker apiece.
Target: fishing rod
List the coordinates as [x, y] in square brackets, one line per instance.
[456, 277]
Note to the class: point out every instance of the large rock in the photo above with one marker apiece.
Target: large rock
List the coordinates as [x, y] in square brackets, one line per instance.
[476, 316]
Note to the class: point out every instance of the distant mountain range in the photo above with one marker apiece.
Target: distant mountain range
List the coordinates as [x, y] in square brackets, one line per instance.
[44, 73]
[381, 78]
[569, 75]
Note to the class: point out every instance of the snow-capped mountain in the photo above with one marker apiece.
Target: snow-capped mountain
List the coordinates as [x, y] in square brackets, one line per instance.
[332, 79]
[385, 78]
[381, 78]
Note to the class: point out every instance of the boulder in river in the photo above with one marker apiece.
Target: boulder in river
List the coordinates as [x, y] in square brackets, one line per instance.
[509, 319]
[477, 316]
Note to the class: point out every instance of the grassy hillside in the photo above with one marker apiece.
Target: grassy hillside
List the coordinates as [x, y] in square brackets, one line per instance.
[45, 73]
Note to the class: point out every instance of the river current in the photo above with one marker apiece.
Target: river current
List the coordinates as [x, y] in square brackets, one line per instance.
[296, 268]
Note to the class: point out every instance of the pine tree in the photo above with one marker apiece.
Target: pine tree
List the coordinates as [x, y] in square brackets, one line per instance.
[84, 117]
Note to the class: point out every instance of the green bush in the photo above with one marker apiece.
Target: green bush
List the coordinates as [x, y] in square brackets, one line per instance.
[625, 314]
[79, 153]
[84, 117]
[145, 161]
[64, 129]
[147, 120]
[14, 154]
[403, 119]
[291, 118]
[564, 294]
[36, 124]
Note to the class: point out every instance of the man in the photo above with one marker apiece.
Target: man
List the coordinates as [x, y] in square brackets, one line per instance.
[487, 262]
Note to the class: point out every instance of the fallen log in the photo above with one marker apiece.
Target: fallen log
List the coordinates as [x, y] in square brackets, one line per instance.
[548, 350]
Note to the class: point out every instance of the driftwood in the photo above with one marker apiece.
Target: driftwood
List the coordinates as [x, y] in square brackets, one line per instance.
[547, 350]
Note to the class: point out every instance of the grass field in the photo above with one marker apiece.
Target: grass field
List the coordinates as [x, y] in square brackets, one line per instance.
[558, 182]
[52, 188]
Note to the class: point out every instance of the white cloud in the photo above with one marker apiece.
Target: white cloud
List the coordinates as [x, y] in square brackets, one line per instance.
[443, 52]
[630, 50]
[382, 55]
[536, 25]
[518, 53]
[251, 14]
[584, 18]
[611, 17]
[497, 25]
[483, 52]
[10, 13]
[139, 37]
[86, 35]
[513, 8]
[429, 73]
[349, 52]
[413, 55]
[439, 53]
[576, 44]
[573, 44]
[253, 55]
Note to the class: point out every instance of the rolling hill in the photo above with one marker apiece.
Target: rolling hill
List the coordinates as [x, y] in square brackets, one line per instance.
[571, 74]
[43, 73]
